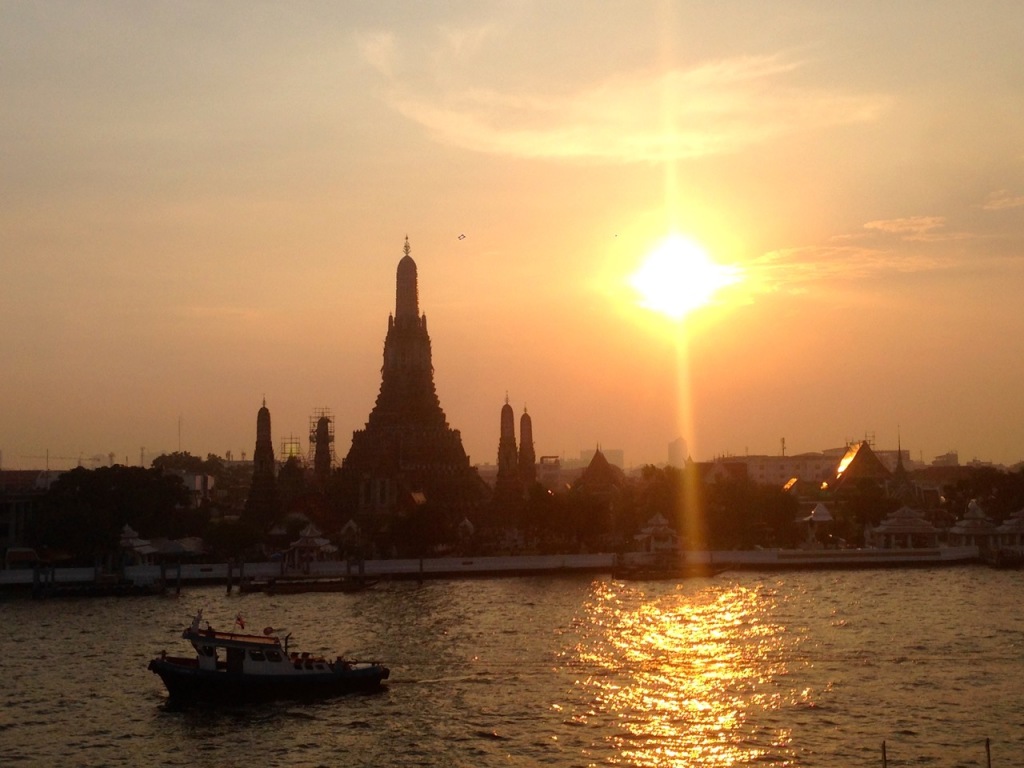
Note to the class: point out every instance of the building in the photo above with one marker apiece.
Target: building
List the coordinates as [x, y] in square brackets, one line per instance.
[321, 445]
[527, 456]
[263, 505]
[507, 483]
[614, 456]
[814, 468]
[407, 451]
[906, 528]
[677, 453]
[516, 470]
[974, 529]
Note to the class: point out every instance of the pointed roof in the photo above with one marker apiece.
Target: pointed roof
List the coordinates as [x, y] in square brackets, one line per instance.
[905, 521]
[407, 290]
[974, 521]
[600, 475]
[859, 463]
[820, 514]
[1014, 523]
[311, 538]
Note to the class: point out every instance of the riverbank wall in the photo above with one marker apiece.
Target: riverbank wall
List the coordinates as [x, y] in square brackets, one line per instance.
[154, 578]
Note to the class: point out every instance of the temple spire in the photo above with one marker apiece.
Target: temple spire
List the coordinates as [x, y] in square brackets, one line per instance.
[406, 292]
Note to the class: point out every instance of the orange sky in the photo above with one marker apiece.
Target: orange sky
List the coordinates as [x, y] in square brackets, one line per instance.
[205, 205]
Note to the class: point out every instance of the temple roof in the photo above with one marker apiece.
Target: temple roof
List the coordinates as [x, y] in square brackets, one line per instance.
[905, 520]
[1014, 523]
[859, 463]
[600, 475]
[974, 521]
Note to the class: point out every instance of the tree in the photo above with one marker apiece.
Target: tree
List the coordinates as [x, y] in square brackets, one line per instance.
[85, 510]
[232, 539]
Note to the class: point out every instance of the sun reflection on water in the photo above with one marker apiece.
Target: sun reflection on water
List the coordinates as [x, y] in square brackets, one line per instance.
[681, 674]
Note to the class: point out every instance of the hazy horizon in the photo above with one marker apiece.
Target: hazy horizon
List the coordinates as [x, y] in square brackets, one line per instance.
[204, 206]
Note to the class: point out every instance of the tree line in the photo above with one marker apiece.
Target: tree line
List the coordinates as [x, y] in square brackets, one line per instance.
[81, 517]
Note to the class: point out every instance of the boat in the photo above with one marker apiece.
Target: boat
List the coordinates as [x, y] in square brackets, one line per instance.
[1004, 558]
[295, 586]
[232, 667]
[666, 572]
[666, 565]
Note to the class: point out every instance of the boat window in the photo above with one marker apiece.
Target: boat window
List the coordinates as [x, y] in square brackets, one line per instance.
[273, 656]
[257, 656]
[206, 650]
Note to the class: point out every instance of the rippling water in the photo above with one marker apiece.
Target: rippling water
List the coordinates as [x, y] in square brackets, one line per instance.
[801, 669]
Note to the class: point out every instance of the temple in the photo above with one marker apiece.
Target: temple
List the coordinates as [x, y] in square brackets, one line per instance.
[263, 505]
[508, 479]
[408, 457]
[527, 457]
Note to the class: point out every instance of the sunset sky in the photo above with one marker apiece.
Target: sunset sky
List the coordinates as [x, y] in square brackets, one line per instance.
[204, 204]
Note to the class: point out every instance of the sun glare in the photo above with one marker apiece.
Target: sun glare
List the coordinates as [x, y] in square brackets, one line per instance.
[678, 277]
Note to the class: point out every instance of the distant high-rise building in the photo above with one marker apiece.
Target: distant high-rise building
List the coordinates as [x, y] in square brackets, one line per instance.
[677, 453]
[263, 504]
[407, 453]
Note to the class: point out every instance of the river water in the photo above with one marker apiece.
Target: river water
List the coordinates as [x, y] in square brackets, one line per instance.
[791, 669]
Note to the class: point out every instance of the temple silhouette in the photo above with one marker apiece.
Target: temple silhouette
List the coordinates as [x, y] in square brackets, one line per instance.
[408, 462]
[263, 505]
[517, 467]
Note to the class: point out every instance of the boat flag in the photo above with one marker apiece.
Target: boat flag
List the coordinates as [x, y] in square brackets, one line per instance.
[240, 621]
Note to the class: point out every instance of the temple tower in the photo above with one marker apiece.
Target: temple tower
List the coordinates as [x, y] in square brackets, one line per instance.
[527, 458]
[263, 456]
[508, 457]
[321, 444]
[263, 504]
[407, 453]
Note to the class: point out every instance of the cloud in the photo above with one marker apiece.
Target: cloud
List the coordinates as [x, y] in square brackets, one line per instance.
[918, 229]
[1001, 199]
[717, 107]
[917, 251]
[795, 270]
[914, 225]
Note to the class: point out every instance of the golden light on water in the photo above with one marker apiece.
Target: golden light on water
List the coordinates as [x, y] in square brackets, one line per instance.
[678, 672]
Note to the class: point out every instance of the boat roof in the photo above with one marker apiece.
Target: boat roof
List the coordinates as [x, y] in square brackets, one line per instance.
[230, 639]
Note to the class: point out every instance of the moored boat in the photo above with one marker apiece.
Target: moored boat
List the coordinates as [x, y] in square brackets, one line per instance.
[668, 564]
[232, 667]
[295, 586]
[666, 572]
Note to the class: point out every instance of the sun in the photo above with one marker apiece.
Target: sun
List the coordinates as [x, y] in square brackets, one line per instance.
[678, 277]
